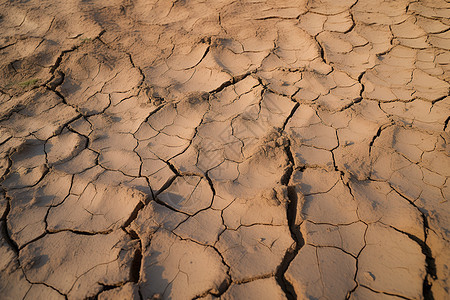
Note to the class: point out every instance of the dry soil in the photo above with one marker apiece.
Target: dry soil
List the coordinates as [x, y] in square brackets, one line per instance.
[243, 149]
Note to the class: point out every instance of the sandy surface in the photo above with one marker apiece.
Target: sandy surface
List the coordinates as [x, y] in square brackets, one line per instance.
[233, 149]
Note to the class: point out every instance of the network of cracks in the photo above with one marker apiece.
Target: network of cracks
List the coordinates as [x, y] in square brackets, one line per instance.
[224, 149]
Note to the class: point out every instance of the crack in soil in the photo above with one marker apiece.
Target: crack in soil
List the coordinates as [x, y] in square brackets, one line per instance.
[291, 214]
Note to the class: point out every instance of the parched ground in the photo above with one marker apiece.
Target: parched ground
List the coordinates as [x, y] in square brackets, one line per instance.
[239, 149]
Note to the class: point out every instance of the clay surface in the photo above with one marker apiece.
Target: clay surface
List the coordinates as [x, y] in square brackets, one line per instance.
[227, 149]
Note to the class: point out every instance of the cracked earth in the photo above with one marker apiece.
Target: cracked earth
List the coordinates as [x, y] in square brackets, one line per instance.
[225, 149]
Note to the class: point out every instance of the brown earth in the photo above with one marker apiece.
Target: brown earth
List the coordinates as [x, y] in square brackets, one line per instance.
[224, 149]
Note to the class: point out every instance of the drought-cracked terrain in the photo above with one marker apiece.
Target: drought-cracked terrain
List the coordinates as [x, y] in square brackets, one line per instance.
[247, 149]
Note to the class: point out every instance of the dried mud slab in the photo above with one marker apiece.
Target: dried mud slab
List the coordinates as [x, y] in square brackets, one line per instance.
[224, 149]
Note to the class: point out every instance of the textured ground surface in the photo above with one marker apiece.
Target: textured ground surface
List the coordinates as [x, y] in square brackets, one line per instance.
[235, 149]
